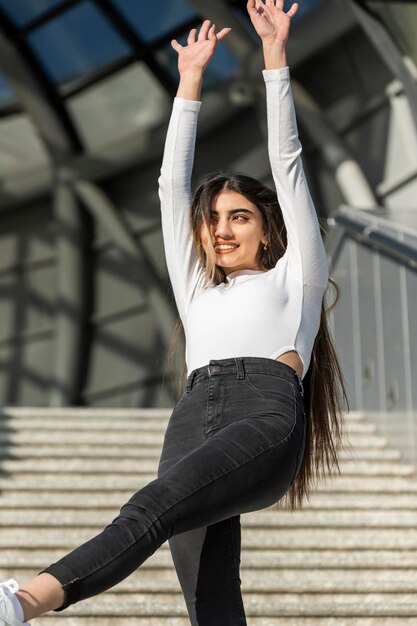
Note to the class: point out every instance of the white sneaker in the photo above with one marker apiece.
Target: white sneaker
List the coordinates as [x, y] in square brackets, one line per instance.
[11, 612]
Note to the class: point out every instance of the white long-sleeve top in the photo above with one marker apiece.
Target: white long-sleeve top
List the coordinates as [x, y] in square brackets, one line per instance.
[255, 313]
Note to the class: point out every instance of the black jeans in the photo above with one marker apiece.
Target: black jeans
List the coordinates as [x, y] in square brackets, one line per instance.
[234, 444]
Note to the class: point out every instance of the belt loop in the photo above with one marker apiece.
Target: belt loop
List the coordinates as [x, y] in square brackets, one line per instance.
[190, 381]
[300, 384]
[240, 370]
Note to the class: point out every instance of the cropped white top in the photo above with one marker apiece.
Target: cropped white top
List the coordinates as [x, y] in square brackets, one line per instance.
[255, 313]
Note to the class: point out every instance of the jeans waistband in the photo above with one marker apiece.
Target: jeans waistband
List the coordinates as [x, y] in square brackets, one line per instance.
[239, 366]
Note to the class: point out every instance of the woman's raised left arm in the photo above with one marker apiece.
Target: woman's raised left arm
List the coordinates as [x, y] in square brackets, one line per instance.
[305, 254]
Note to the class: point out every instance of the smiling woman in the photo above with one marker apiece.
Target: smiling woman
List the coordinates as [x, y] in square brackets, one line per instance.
[235, 232]
[249, 271]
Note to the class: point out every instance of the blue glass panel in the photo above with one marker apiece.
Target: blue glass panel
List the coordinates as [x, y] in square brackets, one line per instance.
[77, 42]
[222, 66]
[304, 8]
[6, 94]
[23, 11]
[155, 18]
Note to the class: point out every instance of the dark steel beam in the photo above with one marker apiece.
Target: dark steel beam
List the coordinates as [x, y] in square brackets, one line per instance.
[389, 52]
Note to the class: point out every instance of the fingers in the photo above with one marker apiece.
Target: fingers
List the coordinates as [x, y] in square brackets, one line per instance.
[212, 33]
[222, 34]
[251, 7]
[177, 46]
[293, 10]
[191, 36]
[204, 30]
[207, 31]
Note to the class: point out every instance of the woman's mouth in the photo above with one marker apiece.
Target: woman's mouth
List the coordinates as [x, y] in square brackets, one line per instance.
[225, 248]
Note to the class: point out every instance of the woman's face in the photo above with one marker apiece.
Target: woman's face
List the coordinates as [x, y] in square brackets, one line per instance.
[236, 232]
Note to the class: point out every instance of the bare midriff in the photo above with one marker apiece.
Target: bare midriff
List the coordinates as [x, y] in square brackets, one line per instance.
[293, 360]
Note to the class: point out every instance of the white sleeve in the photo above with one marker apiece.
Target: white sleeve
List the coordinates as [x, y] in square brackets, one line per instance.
[185, 271]
[306, 255]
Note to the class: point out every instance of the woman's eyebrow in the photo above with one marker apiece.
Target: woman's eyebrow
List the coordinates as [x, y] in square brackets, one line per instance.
[232, 211]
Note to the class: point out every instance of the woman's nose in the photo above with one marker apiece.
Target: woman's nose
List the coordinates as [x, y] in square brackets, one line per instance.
[222, 229]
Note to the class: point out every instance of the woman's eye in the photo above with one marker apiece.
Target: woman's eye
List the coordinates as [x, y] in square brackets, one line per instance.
[243, 217]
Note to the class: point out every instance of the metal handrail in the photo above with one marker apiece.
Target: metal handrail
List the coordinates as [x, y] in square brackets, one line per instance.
[370, 235]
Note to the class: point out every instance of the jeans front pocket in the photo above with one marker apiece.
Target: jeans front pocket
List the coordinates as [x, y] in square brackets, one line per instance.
[269, 386]
[272, 396]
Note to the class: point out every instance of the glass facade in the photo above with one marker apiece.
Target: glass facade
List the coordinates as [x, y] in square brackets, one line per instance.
[24, 11]
[117, 57]
[20, 146]
[77, 42]
[7, 96]
[152, 20]
[129, 101]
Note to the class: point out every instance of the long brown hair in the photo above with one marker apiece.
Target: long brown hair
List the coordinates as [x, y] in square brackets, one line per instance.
[324, 385]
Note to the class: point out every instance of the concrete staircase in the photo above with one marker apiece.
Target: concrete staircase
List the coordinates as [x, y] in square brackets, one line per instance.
[348, 558]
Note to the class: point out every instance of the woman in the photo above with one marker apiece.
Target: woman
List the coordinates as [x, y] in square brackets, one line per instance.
[252, 308]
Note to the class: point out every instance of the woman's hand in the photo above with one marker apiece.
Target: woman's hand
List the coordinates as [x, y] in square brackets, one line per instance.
[270, 21]
[195, 56]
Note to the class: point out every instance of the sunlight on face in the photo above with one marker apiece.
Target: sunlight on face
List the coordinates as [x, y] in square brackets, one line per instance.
[236, 232]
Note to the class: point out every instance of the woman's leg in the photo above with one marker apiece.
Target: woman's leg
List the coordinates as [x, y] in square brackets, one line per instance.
[42, 594]
[252, 417]
[207, 562]
[207, 559]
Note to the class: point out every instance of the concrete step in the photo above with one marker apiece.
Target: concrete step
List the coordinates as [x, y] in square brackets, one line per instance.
[366, 604]
[63, 539]
[160, 580]
[364, 468]
[133, 437]
[47, 500]
[366, 441]
[16, 413]
[305, 519]
[129, 438]
[289, 605]
[156, 425]
[260, 603]
[150, 452]
[148, 466]
[370, 501]
[78, 465]
[364, 454]
[80, 451]
[295, 581]
[285, 581]
[63, 620]
[61, 413]
[167, 591]
[281, 559]
[149, 579]
[92, 483]
[120, 424]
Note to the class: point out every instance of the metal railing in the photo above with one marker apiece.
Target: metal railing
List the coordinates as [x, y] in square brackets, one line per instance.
[373, 259]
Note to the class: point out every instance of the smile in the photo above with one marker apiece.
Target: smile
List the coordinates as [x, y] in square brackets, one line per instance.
[222, 248]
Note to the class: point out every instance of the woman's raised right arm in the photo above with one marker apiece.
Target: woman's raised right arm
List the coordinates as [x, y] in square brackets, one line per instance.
[184, 269]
